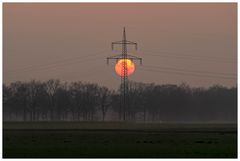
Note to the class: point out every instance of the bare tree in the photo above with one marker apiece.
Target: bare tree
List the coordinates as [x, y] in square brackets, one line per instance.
[104, 97]
[51, 89]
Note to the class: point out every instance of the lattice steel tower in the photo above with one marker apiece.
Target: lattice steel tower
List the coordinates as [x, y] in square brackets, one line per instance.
[124, 72]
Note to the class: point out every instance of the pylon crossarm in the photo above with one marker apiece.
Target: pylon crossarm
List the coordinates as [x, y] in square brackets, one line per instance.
[130, 42]
[120, 43]
[115, 56]
[132, 57]
[124, 42]
[117, 42]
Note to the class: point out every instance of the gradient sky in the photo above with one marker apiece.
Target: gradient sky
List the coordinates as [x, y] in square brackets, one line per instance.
[192, 43]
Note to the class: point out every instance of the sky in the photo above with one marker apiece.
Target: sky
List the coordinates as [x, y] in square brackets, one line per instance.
[192, 43]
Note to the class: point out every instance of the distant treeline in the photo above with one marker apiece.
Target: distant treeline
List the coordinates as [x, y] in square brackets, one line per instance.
[76, 101]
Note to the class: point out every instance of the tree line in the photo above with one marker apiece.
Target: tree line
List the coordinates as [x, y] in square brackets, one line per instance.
[54, 100]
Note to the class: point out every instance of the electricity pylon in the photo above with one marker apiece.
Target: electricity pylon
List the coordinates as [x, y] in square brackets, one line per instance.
[124, 73]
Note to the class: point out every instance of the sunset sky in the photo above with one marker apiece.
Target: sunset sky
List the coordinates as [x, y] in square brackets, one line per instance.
[192, 43]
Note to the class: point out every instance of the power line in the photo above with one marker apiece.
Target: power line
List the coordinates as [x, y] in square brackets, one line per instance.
[55, 67]
[191, 71]
[185, 57]
[60, 61]
[185, 73]
[197, 56]
[87, 73]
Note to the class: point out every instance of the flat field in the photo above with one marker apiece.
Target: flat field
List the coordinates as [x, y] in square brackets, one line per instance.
[118, 140]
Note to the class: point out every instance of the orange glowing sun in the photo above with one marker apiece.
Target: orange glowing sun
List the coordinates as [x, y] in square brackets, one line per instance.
[130, 67]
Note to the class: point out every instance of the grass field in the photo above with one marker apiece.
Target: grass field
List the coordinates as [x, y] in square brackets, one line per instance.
[114, 140]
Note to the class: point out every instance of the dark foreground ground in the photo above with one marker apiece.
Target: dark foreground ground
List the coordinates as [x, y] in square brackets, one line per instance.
[118, 140]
